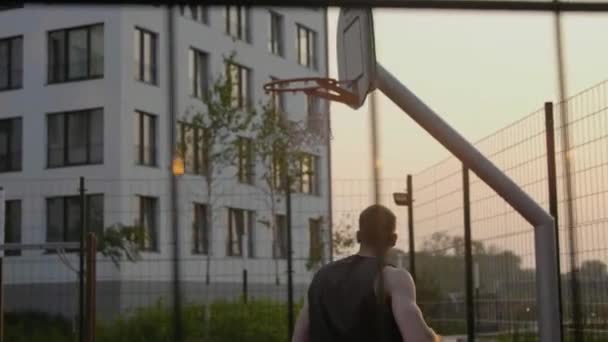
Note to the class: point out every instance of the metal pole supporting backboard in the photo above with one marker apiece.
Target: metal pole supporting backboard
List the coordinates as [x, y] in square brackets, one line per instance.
[544, 234]
[553, 200]
[468, 255]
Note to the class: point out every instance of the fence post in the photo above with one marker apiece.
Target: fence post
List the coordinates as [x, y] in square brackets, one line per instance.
[81, 281]
[290, 313]
[245, 289]
[91, 286]
[1, 299]
[553, 208]
[468, 255]
[410, 226]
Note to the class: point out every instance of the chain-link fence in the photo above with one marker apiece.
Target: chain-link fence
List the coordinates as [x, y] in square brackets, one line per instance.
[502, 242]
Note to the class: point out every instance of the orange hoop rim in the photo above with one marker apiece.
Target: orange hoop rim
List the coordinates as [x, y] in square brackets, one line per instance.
[328, 88]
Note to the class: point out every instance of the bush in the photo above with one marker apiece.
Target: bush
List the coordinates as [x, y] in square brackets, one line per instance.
[36, 327]
[230, 321]
[255, 321]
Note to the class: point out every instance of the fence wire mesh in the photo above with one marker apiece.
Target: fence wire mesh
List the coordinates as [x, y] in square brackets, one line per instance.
[503, 242]
[233, 249]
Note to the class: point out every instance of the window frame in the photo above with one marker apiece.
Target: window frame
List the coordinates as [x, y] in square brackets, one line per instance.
[152, 233]
[276, 43]
[200, 241]
[9, 124]
[244, 95]
[139, 59]
[140, 159]
[315, 224]
[9, 223]
[15, 5]
[311, 47]
[248, 219]
[201, 10]
[64, 214]
[198, 91]
[280, 248]
[201, 158]
[245, 160]
[278, 100]
[65, 78]
[311, 172]
[10, 42]
[66, 145]
[243, 23]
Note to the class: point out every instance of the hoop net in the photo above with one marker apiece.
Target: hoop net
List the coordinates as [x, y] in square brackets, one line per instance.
[327, 88]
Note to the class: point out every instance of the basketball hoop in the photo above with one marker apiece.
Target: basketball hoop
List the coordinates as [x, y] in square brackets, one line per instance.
[327, 88]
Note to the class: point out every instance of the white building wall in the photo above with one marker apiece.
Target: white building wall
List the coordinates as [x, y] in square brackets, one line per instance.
[120, 94]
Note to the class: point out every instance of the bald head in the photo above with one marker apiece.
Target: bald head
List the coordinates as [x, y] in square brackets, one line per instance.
[377, 226]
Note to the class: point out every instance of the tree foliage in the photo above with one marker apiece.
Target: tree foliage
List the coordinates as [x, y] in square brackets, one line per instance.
[119, 241]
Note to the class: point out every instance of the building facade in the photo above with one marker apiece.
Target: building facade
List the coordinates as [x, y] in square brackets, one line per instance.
[101, 92]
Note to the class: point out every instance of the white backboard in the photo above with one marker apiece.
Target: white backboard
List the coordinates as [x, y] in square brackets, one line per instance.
[356, 52]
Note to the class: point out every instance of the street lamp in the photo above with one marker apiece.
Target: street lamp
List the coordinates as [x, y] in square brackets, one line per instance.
[177, 165]
[406, 199]
[402, 199]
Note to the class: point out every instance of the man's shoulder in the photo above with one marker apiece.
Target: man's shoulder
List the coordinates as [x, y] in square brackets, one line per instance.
[397, 278]
[331, 266]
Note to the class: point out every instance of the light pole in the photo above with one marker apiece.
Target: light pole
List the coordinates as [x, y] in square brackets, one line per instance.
[177, 170]
[405, 199]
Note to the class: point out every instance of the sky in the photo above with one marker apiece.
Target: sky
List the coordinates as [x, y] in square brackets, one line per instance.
[479, 70]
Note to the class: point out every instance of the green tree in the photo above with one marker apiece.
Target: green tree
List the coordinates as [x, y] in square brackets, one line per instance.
[119, 241]
[221, 121]
[223, 118]
[280, 146]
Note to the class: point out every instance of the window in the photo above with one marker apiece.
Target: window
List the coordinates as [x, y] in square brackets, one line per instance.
[315, 250]
[307, 47]
[278, 100]
[75, 54]
[192, 146]
[280, 246]
[200, 233]
[10, 145]
[246, 162]
[306, 180]
[240, 222]
[144, 43]
[316, 114]
[275, 44]
[11, 63]
[198, 71]
[237, 22]
[278, 173]
[238, 76]
[194, 12]
[144, 127]
[75, 138]
[7, 5]
[63, 217]
[12, 225]
[147, 219]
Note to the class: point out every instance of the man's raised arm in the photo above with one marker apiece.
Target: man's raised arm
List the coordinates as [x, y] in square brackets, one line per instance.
[400, 285]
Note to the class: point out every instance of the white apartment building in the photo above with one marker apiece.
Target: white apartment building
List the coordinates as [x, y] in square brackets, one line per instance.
[86, 91]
